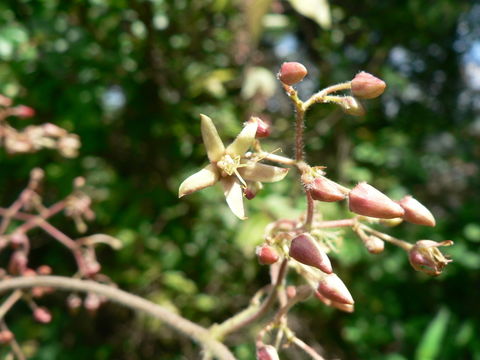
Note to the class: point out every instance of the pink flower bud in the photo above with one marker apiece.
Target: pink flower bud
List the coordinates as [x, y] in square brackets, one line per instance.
[17, 239]
[367, 86]
[365, 200]
[92, 267]
[23, 111]
[322, 189]
[334, 289]
[415, 212]
[42, 315]
[266, 255]
[252, 189]
[352, 106]
[291, 73]
[6, 335]
[74, 302]
[374, 244]
[340, 306]
[263, 128]
[424, 256]
[291, 291]
[305, 250]
[18, 263]
[44, 270]
[92, 302]
[267, 352]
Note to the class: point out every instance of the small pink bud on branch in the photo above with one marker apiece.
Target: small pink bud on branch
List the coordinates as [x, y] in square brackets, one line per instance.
[322, 189]
[266, 255]
[365, 200]
[367, 86]
[415, 212]
[305, 250]
[6, 336]
[334, 289]
[267, 352]
[42, 315]
[291, 73]
[263, 128]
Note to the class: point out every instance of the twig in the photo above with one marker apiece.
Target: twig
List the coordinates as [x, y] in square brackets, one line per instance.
[182, 325]
[307, 348]
[11, 300]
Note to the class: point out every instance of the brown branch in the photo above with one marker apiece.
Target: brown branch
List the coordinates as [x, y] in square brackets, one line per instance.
[182, 325]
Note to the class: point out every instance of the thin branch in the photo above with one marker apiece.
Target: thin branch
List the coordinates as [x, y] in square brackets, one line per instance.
[307, 348]
[182, 325]
[8, 304]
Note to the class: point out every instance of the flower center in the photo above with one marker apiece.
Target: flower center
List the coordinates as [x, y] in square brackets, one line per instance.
[229, 164]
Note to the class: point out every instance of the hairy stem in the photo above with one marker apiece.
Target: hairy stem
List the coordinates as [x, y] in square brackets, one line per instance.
[134, 302]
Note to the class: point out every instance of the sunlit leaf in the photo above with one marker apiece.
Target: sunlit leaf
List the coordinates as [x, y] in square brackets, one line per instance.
[317, 10]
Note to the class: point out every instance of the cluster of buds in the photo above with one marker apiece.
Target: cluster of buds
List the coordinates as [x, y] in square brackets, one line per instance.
[34, 137]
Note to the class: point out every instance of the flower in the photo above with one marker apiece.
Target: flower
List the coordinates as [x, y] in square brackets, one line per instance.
[229, 166]
[425, 256]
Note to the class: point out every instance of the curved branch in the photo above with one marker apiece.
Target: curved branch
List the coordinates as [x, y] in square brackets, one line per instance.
[182, 325]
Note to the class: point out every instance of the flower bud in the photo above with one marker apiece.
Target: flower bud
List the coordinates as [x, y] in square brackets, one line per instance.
[18, 263]
[415, 212]
[252, 189]
[365, 200]
[267, 352]
[17, 239]
[374, 244]
[334, 289]
[6, 335]
[42, 315]
[322, 189]
[352, 106]
[367, 86]
[266, 255]
[424, 256]
[291, 291]
[23, 111]
[263, 128]
[305, 250]
[92, 302]
[343, 307]
[74, 302]
[291, 73]
[44, 270]
[5, 101]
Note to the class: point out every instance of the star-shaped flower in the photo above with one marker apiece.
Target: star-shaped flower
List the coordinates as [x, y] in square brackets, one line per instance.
[229, 166]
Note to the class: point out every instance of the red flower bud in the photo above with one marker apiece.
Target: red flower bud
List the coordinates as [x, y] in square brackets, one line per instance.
[305, 250]
[266, 255]
[367, 86]
[42, 315]
[267, 352]
[365, 200]
[23, 111]
[415, 212]
[291, 73]
[263, 128]
[334, 289]
[252, 189]
[425, 256]
[352, 106]
[343, 307]
[323, 189]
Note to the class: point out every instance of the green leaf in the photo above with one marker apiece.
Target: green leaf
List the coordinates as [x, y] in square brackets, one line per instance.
[432, 339]
[317, 10]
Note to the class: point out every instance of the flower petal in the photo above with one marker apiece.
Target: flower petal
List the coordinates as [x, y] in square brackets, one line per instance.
[213, 143]
[244, 140]
[263, 173]
[198, 181]
[234, 196]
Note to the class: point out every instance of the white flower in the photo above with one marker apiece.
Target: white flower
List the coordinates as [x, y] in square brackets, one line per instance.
[228, 166]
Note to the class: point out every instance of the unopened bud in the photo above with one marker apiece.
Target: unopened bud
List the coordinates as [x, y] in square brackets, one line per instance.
[305, 250]
[334, 289]
[352, 106]
[266, 255]
[17, 239]
[44, 270]
[424, 256]
[415, 212]
[92, 302]
[365, 200]
[42, 315]
[322, 189]
[6, 335]
[23, 111]
[291, 291]
[374, 244]
[18, 263]
[267, 352]
[263, 128]
[367, 86]
[74, 302]
[291, 73]
[252, 189]
[340, 306]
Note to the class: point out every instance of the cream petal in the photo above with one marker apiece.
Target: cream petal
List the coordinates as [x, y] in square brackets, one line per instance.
[213, 143]
[263, 173]
[244, 140]
[234, 196]
[198, 181]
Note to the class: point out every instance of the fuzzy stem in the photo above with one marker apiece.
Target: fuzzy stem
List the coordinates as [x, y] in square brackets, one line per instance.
[400, 243]
[182, 325]
[336, 223]
[320, 96]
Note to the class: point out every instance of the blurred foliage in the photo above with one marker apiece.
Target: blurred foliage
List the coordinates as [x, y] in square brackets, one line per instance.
[131, 76]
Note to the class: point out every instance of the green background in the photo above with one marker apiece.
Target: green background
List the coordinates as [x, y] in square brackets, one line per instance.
[131, 77]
